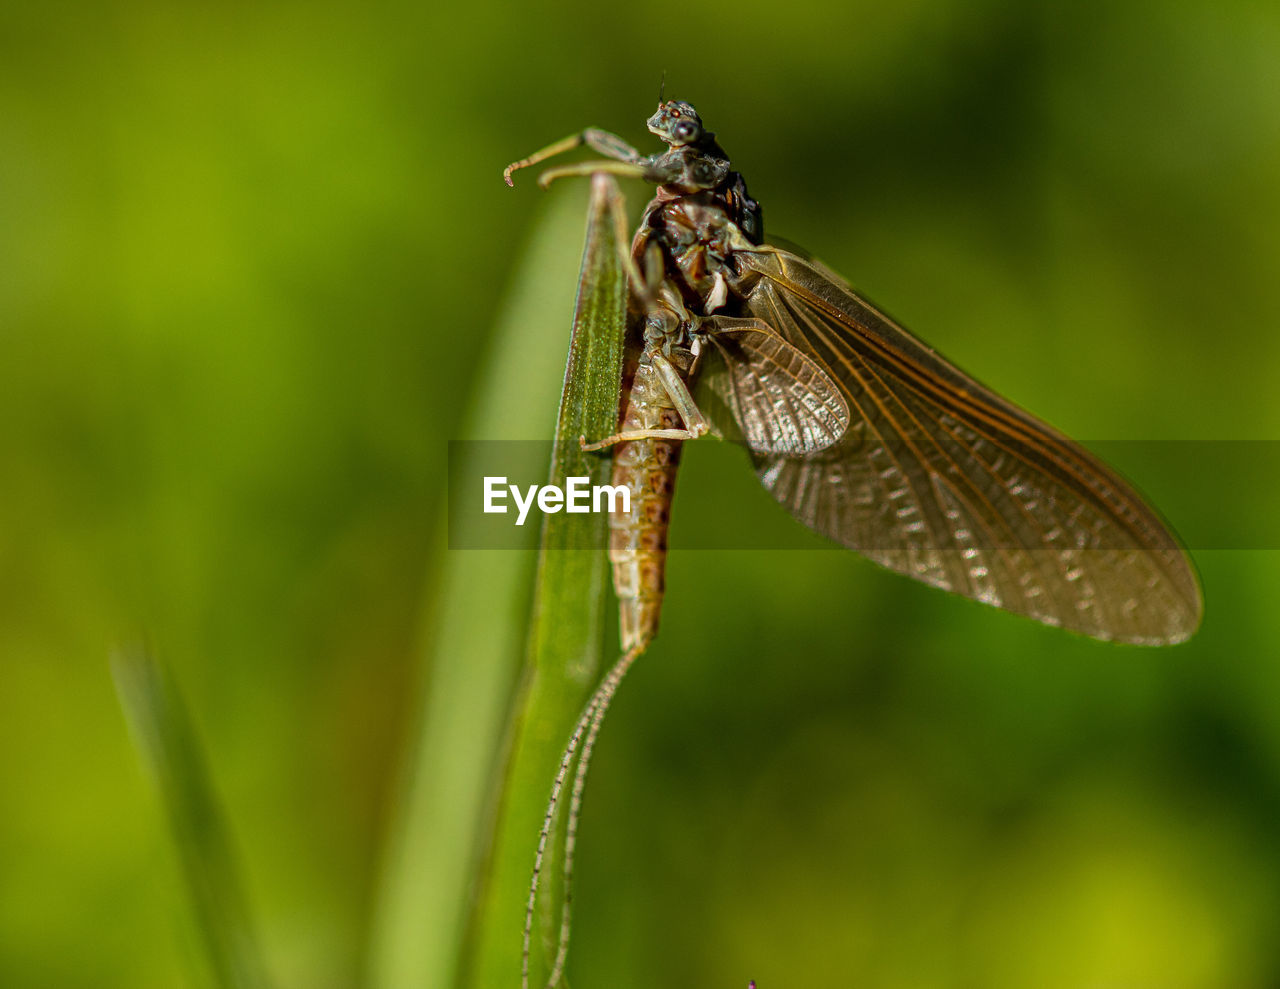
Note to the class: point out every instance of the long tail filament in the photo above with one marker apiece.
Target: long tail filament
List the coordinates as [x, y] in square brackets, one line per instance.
[589, 724]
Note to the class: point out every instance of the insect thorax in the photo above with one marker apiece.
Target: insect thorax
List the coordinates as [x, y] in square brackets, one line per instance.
[697, 223]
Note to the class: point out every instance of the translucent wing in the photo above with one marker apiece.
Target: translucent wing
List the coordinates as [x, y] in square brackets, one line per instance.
[941, 479]
[780, 399]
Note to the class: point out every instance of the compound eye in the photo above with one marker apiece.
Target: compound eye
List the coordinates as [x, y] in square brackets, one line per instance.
[685, 130]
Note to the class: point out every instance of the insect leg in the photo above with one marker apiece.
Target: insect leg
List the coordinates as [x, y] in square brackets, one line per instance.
[656, 169]
[636, 434]
[640, 284]
[695, 422]
[604, 187]
[609, 145]
[625, 169]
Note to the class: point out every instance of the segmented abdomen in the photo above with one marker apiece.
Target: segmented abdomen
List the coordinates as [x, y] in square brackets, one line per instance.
[638, 538]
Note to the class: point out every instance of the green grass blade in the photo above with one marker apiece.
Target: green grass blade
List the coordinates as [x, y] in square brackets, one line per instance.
[477, 635]
[164, 735]
[566, 640]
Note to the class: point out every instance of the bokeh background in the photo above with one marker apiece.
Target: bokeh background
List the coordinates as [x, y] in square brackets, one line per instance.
[250, 259]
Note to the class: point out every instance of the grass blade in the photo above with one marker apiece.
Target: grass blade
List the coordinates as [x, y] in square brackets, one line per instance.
[457, 777]
[164, 735]
[566, 640]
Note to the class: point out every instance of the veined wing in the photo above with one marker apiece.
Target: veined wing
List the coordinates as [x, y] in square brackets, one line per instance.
[780, 399]
[939, 478]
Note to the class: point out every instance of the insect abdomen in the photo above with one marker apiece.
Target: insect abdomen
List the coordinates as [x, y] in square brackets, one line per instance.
[638, 538]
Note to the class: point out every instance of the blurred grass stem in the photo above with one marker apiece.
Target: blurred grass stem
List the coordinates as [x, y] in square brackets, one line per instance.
[164, 735]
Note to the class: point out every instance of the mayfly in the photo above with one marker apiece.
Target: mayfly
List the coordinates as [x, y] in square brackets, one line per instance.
[857, 428]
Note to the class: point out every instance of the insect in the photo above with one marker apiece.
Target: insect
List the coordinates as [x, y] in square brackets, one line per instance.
[856, 427]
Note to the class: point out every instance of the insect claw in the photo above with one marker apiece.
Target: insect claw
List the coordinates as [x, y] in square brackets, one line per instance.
[511, 170]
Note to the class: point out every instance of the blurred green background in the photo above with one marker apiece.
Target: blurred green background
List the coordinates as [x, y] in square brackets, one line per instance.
[250, 260]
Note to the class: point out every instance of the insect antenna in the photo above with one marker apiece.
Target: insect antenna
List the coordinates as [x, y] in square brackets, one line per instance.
[662, 87]
[589, 723]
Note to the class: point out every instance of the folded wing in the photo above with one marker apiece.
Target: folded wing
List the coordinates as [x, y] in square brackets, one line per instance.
[781, 400]
[939, 478]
